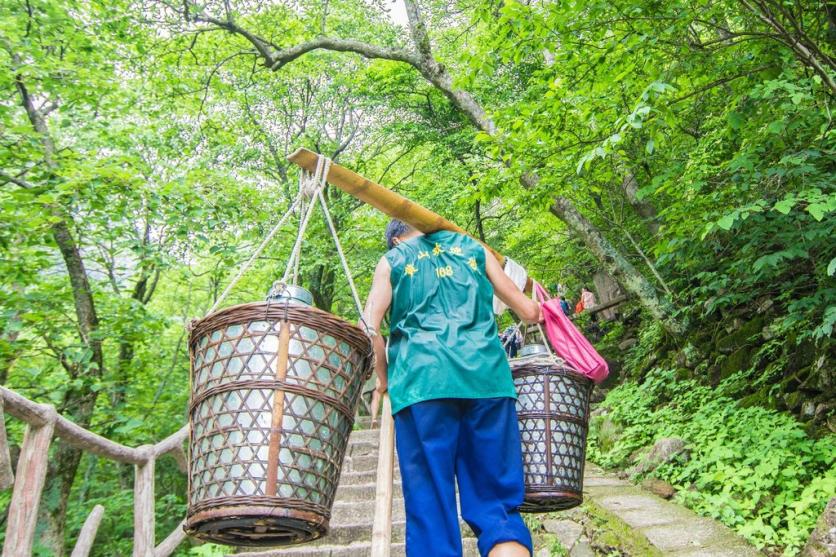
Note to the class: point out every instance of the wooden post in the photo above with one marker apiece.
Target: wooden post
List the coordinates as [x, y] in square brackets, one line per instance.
[7, 477]
[172, 541]
[87, 536]
[26, 496]
[144, 506]
[382, 529]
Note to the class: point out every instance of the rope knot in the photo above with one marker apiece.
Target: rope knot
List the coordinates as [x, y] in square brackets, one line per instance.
[308, 184]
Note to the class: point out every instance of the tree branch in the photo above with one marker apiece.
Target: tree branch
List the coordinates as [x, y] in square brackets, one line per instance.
[8, 178]
[418, 30]
[282, 57]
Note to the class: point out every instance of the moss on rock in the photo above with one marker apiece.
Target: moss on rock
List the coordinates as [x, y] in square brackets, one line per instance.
[736, 361]
[758, 398]
[728, 343]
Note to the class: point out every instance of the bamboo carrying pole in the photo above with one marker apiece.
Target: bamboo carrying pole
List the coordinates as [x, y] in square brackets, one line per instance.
[382, 529]
[383, 199]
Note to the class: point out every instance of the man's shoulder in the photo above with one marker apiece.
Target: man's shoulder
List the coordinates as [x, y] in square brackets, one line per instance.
[455, 238]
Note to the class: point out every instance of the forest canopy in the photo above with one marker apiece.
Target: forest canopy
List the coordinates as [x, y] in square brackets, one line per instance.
[685, 149]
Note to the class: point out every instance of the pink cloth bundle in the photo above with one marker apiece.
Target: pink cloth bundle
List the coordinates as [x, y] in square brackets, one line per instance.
[568, 342]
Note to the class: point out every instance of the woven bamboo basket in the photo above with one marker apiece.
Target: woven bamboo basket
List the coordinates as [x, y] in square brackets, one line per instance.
[275, 388]
[553, 411]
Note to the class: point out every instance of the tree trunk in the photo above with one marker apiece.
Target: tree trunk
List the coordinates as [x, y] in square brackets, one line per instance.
[630, 187]
[321, 284]
[616, 264]
[477, 213]
[78, 401]
[434, 72]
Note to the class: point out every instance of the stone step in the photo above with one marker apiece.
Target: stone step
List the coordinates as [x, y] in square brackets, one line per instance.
[355, 478]
[357, 549]
[369, 476]
[362, 463]
[361, 448]
[362, 421]
[344, 534]
[362, 512]
[363, 492]
[366, 435]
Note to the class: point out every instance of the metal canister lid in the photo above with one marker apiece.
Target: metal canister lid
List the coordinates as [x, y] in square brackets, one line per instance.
[290, 294]
[533, 350]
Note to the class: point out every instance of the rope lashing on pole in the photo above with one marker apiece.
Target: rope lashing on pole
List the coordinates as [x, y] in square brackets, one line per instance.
[311, 186]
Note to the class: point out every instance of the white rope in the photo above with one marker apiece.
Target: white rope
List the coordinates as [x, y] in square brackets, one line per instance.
[343, 260]
[297, 245]
[310, 185]
[543, 336]
[255, 254]
[323, 166]
[297, 262]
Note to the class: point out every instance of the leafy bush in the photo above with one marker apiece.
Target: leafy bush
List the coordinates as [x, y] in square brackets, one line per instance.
[753, 469]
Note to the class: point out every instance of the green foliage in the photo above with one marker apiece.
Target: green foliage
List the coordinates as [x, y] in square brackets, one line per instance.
[753, 469]
[169, 167]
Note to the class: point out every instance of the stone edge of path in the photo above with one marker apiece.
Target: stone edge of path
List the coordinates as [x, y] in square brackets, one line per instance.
[671, 528]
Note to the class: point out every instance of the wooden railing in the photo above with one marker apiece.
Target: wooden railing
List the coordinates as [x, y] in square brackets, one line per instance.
[42, 424]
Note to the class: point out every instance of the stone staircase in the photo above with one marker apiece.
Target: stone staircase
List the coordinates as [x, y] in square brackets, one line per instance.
[668, 528]
[353, 512]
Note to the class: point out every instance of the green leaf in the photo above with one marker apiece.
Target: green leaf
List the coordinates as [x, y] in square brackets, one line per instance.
[727, 221]
[831, 267]
[817, 210]
[776, 127]
[785, 205]
[735, 120]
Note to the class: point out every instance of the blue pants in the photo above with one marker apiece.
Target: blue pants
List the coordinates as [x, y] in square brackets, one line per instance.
[475, 443]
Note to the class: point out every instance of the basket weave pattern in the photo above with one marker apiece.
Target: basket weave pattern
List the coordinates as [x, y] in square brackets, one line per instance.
[235, 360]
[553, 411]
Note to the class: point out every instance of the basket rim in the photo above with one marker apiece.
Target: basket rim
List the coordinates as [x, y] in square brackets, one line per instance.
[276, 311]
[523, 369]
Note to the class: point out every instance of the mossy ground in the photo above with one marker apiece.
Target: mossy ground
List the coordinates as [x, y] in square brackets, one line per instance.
[606, 534]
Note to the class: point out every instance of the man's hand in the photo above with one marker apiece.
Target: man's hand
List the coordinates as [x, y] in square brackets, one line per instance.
[382, 387]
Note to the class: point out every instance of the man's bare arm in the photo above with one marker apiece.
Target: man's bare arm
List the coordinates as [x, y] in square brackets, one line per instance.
[377, 304]
[527, 309]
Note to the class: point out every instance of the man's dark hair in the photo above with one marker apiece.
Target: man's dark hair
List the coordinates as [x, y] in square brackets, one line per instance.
[394, 229]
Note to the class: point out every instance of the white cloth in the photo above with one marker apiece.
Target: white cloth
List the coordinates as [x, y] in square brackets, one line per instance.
[518, 275]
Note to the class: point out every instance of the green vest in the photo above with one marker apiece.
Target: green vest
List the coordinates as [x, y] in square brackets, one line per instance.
[443, 338]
